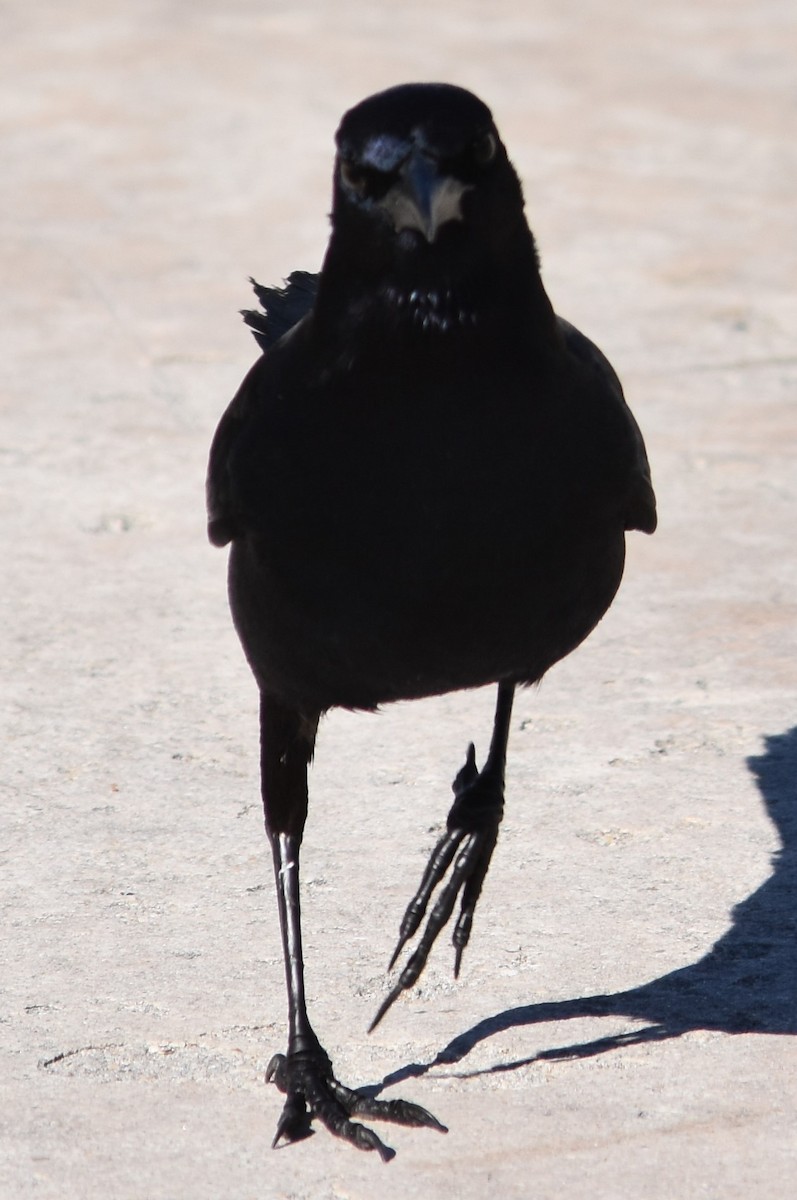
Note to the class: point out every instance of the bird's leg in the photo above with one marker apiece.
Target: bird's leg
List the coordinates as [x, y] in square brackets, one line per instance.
[468, 843]
[304, 1074]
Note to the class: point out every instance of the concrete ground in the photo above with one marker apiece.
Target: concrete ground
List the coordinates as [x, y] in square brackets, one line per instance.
[625, 1021]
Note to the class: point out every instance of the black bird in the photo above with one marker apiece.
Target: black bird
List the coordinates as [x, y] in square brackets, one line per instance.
[426, 481]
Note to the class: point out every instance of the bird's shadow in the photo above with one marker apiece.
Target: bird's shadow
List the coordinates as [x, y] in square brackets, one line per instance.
[747, 983]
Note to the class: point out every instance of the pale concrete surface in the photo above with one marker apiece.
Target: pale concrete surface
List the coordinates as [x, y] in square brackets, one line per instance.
[624, 1025]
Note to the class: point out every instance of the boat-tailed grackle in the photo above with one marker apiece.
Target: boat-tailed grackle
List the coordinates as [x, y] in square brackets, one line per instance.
[425, 481]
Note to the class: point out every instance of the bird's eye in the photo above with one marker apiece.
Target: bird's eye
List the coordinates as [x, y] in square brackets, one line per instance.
[354, 177]
[484, 149]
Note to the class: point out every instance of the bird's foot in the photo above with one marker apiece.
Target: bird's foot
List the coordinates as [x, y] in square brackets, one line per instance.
[311, 1090]
[468, 843]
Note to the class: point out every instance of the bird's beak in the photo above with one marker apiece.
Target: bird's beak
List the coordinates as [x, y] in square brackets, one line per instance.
[423, 199]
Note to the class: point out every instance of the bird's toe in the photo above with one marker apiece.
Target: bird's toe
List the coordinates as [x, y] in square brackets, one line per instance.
[312, 1091]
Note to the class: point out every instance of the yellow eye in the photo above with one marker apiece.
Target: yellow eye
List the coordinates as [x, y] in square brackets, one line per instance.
[484, 149]
[353, 177]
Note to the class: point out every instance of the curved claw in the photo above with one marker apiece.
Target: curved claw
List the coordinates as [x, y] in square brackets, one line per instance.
[400, 1112]
[441, 857]
[468, 843]
[312, 1091]
[458, 950]
[365, 1139]
[439, 862]
[386, 1004]
[275, 1071]
[470, 895]
[294, 1122]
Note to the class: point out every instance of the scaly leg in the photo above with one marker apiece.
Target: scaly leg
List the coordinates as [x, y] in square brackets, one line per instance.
[472, 831]
[305, 1074]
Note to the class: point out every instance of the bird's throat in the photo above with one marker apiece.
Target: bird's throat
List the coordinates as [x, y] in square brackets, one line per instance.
[431, 310]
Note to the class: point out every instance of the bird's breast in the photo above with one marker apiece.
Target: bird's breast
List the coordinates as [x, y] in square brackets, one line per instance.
[407, 548]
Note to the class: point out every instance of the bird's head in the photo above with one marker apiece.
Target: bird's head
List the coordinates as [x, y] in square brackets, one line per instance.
[426, 202]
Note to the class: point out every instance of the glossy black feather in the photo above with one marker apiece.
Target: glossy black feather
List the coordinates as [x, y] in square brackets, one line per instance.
[428, 475]
[282, 307]
[426, 481]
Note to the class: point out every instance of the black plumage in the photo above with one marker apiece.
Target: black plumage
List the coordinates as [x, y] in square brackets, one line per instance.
[426, 480]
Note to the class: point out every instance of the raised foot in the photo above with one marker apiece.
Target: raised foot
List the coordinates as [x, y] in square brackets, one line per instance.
[311, 1090]
[468, 844]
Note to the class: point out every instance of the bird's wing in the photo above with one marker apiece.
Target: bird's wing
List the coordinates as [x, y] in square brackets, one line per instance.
[223, 518]
[284, 310]
[640, 502]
